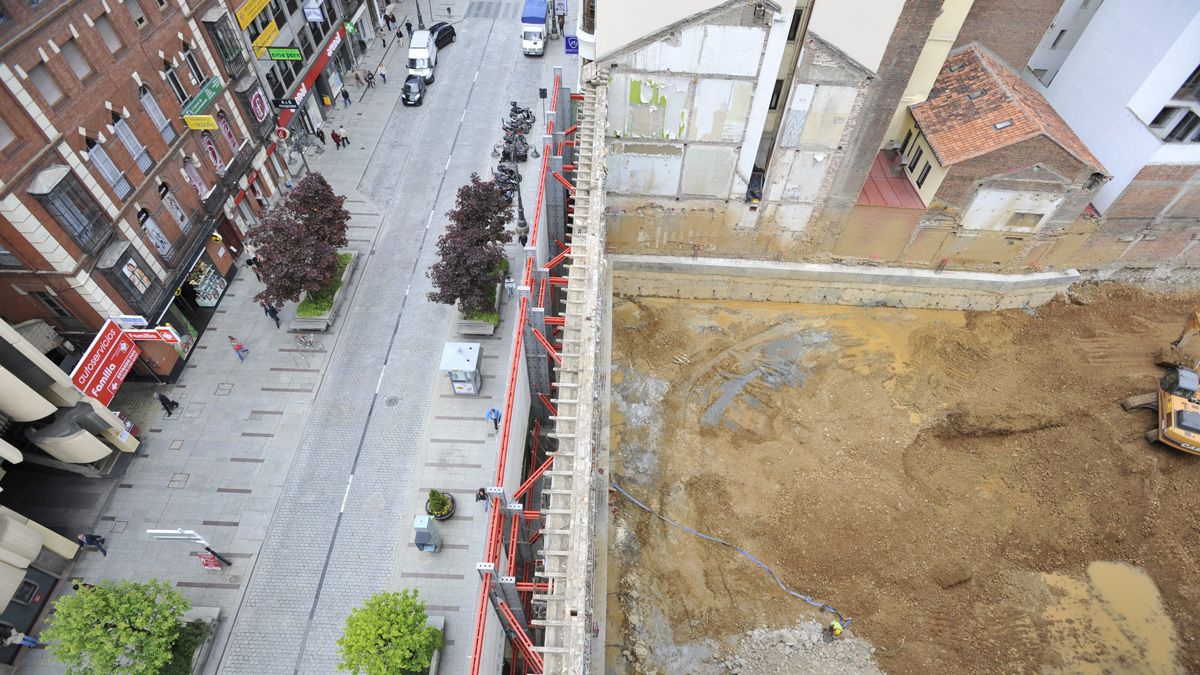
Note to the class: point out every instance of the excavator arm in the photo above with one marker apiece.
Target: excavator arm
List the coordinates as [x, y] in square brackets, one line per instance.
[1190, 328]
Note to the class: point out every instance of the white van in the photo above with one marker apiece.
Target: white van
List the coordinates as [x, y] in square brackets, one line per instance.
[422, 55]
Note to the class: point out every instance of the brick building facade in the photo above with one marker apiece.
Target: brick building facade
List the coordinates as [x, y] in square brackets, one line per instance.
[110, 204]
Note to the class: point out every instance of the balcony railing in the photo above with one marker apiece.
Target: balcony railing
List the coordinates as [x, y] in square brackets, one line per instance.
[237, 166]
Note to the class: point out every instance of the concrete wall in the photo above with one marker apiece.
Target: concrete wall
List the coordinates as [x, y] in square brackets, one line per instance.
[941, 40]
[1010, 28]
[860, 29]
[1058, 39]
[1131, 58]
[725, 279]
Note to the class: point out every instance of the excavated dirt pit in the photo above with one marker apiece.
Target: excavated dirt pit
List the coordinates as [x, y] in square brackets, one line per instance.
[964, 485]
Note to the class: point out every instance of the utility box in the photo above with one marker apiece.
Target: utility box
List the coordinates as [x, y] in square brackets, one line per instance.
[460, 361]
[427, 537]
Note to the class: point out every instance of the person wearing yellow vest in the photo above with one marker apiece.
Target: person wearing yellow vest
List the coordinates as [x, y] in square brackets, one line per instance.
[835, 627]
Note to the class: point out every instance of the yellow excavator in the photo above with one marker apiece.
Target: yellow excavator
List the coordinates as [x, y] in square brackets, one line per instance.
[1176, 401]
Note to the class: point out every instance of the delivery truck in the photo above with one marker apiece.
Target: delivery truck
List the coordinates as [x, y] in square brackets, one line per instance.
[535, 27]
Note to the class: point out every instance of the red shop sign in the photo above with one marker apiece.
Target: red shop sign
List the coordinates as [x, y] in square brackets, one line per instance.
[106, 363]
[310, 77]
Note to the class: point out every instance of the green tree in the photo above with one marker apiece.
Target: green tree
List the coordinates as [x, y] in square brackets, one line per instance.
[116, 628]
[388, 635]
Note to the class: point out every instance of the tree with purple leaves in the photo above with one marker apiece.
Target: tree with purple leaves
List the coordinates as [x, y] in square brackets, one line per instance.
[471, 252]
[297, 241]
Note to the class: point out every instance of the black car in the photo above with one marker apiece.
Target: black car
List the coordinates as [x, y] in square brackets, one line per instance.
[443, 34]
[413, 92]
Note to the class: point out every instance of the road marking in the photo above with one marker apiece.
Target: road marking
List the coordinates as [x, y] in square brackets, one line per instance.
[429, 221]
[380, 381]
[447, 167]
[476, 76]
[347, 495]
[406, 290]
[464, 116]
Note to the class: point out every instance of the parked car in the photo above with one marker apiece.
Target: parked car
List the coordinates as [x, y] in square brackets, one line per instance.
[443, 34]
[413, 92]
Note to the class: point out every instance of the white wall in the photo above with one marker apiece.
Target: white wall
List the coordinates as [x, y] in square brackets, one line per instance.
[620, 22]
[859, 28]
[1130, 59]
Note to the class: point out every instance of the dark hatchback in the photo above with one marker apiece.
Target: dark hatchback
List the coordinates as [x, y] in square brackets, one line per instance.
[413, 92]
[443, 34]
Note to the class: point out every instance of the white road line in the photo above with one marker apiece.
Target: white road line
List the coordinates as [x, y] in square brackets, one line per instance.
[464, 116]
[476, 76]
[427, 222]
[447, 168]
[406, 289]
[382, 370]
[347, 495]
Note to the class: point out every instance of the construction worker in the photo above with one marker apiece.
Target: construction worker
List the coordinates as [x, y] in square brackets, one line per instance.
[835, 627]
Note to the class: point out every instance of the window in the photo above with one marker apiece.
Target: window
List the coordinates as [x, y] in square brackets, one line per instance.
[162, 4]
[6, 135]
[1023, 221]
[45, 84]
[1002, 125]
[912, 164]
[151, 107]
[103, 164]
[136, 150]
[924, 175]
[193, 65]
[226, 43]
[105, 29]
[154, 233]
[1189, 123]
[1190, 88]
[79, 65]
[193, 177]
[907, 138]
[173, 81]
[135, 12]
[1163, 117]
[794, 29]
[7, 259]
[775, 94]
[75, 211]
[1057, 39]
[1040, 74]
[51, 302]
[976, 94]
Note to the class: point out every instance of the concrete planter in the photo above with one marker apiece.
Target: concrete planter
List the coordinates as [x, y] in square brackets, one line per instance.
[323, 322]
[212, 617]
[469, 327]
[438, 622]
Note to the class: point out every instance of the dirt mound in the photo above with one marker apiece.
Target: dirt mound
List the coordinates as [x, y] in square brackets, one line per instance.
[951, 480]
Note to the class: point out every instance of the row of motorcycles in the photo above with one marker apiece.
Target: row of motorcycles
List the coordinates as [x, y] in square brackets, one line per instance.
[512, 149]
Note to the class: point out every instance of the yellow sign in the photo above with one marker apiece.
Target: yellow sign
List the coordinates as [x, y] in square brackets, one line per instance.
[248, 11]
[200, 121]
[264, 39]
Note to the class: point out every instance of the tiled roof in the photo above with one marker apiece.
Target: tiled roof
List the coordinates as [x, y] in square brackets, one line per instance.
[978, 105]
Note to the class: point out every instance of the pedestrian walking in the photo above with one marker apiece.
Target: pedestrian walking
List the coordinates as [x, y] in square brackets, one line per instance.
[383, 74]
[346, 94]
[337, 139]
[382, 35]
[481, 496]
[523, 240]
[390, 21]
[168, 405]
[252, 263]
[408, 27]
[321, 135]
[240, 349]
[370, 79]
[271, 312]
[12, 637]
[345, 136]
[509, 285]
[493, 415]
[399, 35]
[93, 540]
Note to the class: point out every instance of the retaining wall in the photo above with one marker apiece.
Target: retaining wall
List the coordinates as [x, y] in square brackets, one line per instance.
[730, 279]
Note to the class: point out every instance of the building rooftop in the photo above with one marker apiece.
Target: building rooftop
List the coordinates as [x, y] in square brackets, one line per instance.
[886, 185]
[978, 105]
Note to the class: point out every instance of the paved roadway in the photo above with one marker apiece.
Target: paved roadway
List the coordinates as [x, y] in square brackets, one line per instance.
[342, 517]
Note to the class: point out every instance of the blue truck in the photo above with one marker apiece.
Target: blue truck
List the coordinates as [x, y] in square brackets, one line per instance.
[535, 27]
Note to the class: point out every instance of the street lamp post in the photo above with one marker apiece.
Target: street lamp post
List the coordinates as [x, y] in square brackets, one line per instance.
[180, 534]
[420, 18]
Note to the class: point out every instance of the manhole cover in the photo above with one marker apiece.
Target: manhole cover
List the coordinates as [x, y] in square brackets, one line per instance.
[391, 401]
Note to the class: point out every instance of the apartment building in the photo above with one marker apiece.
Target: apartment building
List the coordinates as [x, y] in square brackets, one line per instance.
[134, 159]
[1126, 76]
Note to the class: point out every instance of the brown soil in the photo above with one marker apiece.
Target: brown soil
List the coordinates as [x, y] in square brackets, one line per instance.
[947, 479]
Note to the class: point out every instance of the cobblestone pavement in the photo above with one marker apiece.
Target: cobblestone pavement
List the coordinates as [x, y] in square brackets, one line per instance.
[259, 457]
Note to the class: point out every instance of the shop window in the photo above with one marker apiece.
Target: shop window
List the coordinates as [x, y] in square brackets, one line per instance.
[74, 58]
[139, 153]
[45, 83]
[105, 29]
[69, 203]
[103, 164]
[150, 105]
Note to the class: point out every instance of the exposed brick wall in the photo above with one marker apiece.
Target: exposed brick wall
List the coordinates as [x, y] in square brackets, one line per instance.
[1011, 28]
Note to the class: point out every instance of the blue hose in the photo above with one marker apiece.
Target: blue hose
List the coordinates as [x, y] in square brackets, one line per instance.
[819, 605]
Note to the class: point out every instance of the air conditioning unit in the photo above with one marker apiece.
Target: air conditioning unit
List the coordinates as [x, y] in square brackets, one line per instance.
[891, 145]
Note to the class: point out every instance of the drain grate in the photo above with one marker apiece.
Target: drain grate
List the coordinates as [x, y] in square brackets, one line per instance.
[391, 401]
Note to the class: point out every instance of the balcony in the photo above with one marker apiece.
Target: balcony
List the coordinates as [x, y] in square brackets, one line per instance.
[237, 166]
[213, 200]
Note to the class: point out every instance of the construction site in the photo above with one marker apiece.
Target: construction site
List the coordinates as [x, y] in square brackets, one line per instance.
[963, 487]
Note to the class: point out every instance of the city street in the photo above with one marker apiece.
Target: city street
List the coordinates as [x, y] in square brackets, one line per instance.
[305, 466]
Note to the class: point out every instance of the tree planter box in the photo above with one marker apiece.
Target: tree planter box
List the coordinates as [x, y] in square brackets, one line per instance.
[469, 327]
[324, 321]
[211, 616]
[438, 622]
